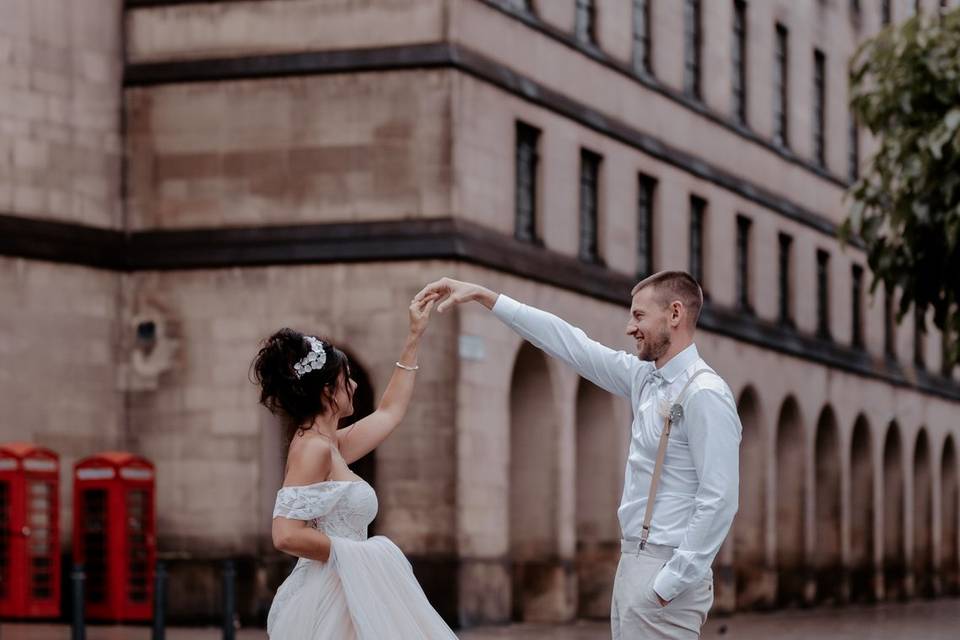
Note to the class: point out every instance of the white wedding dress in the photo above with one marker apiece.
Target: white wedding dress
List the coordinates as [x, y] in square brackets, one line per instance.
[365, 591]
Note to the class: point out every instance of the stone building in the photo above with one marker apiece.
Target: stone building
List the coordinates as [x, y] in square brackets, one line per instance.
[180, 178]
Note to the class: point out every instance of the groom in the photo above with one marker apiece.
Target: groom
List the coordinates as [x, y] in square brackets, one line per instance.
[664, 584]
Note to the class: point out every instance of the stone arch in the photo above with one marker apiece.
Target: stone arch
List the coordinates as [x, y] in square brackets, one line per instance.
[790, 501]
[827, 511]
[894, 567]
[861, 512]
[600, 442]
[749, 531]
[923, 570]
[533, 487]
[364, 403]
[950, 518]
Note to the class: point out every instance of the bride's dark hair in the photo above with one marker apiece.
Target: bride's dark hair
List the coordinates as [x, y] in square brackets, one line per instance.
[297, 401]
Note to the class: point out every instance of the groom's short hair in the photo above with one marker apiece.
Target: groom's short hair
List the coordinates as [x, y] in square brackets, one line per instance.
[675, 285]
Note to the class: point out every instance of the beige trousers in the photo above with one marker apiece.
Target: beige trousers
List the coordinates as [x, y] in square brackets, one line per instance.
[636, 614]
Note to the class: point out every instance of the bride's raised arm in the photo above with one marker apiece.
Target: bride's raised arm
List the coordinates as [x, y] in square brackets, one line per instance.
[365, 435]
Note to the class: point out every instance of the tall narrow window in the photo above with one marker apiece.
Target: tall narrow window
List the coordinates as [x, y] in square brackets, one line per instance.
[586, 21]
[853, 149]
[780, 90]
[698, 208]
[886, 12]
[645, 212]
[889, 324]
[739, 56]
[823, 294]
[525, 182]
[784, 276]
[589, 209]
[856, 297]
[642, 37]
[819, 107]
[692, 45]
[743, 263]
[919, 340]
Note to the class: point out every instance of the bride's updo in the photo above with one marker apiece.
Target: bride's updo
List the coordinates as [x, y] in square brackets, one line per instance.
[297, 400]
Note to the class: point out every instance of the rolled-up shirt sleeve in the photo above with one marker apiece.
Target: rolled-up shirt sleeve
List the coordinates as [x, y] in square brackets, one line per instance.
[608, 369]
[713, 436]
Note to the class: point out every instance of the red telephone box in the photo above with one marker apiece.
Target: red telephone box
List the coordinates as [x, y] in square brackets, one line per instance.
[29, 531]
[114, 534]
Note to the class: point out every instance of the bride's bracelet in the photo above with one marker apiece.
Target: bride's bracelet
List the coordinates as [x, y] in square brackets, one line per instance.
[406, 368]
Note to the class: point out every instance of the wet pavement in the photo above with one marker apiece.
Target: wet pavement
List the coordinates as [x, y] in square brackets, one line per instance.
[921, 620]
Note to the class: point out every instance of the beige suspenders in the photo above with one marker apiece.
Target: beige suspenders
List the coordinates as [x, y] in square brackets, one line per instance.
[676, 412]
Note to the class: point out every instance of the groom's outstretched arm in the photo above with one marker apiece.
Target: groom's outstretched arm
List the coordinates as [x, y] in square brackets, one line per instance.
[608, 369]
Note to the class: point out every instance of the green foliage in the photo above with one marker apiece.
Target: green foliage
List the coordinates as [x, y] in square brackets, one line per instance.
[905, 89]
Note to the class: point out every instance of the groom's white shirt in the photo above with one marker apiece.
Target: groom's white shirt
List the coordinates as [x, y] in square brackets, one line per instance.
[699, 487]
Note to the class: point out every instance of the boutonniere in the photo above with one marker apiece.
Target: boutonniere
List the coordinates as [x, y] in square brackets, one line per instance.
[672, 410]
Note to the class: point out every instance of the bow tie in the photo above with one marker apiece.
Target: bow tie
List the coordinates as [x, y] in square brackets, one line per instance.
[657, 378]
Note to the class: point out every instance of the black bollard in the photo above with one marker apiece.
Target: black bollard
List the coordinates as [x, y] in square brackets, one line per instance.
[78, 630]
[160, 602]
[229, 600]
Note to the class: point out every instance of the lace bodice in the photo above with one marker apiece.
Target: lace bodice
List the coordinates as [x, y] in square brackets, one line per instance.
[340, 508]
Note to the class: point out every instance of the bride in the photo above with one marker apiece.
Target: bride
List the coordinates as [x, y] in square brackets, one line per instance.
[344, 586]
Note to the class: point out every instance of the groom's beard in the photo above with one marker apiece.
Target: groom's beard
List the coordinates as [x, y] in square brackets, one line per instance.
[656, 346]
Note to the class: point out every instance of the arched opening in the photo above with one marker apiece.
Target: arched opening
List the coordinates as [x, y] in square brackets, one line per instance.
[827, 460]
[749, 532]
[923, 570]
[791, 497]
[894, 567]
[533, 488]
[599, 468]
[364, 403]
[950, 512]
[861, 513]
